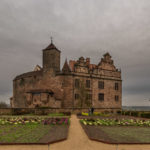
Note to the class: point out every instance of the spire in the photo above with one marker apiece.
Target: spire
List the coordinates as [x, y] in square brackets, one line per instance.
[51, 40]
[51, 45]
[66, 68]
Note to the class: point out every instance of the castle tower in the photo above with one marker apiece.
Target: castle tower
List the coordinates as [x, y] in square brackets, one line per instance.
[51, 58]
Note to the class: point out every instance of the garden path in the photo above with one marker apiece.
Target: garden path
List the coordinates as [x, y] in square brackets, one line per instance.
[77, 139]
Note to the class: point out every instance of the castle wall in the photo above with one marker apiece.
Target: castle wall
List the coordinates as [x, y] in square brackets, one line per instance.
[67, 85]
[23, 98]
[50, 87]
[109, 94]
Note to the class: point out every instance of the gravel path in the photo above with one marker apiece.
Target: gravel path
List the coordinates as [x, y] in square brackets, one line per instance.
[78, 140]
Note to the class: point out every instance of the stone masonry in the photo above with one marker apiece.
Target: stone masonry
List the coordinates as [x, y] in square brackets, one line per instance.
[78, 84]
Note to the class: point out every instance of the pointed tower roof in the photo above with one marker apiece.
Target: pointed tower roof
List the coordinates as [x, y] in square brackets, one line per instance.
[66, 67]
[51, 46]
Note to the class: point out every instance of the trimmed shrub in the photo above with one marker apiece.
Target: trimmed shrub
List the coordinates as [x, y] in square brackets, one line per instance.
[119, 112]
[135, 113]
[145, 114]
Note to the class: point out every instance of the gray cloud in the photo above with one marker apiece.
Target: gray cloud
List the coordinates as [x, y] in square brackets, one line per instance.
[88, 28]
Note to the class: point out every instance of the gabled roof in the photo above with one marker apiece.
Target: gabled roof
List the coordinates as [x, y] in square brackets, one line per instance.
[37, 68]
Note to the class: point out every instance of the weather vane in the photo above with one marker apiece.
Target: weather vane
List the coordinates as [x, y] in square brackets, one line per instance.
[51, 39]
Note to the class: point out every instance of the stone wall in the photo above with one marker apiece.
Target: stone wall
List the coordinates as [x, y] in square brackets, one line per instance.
[47, 80]
[45, 111]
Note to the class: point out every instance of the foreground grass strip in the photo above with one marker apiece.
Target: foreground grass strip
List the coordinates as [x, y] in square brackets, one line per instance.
[127, 134]
[23, 133]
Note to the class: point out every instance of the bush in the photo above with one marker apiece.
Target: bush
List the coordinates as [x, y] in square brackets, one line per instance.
[3, 105]
[79, 114]
[119, 112]
[106, 112]
[135, 113]
[67, 113]
[127, 113]
[145, 114]
[84, 114]
[21, 111]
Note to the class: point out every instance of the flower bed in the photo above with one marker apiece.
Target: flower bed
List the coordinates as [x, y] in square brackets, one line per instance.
[33, 130]
[34, 120]
[94, 114]
[115, 122]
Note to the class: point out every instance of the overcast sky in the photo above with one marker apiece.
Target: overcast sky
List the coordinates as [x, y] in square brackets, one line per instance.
[86, 28]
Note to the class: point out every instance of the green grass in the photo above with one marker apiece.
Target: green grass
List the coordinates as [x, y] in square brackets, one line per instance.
[51, 114]
[128, 134]
[56, 114]
[22, 133]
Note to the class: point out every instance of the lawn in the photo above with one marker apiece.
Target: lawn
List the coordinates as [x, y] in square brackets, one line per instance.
[126, 134]
[33, 129]
[118, 134]
[23, 133]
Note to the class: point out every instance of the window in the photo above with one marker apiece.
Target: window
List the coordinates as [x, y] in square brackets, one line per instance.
[101, 84]
[116, 98]
[116, 86]
[88, 83]
[77, 83]
[88, 96]
[101, 96]
[76, 96]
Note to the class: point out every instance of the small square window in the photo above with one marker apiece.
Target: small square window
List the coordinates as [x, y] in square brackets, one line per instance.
[101, 96]
[101, 84]
[116, 98]
[76, 96]
[116, 86]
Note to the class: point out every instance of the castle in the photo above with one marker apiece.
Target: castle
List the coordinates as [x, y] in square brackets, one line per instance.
[78, 84]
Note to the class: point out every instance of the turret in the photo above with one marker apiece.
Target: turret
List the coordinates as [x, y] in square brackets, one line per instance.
[51, 58]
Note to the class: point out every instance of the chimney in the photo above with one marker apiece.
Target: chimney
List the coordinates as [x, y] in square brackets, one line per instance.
[87, 61]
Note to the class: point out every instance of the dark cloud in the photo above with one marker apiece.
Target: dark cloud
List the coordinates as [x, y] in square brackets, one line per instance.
[88, 28]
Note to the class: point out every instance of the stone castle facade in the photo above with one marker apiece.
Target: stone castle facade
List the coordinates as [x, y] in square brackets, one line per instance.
[78, 84]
